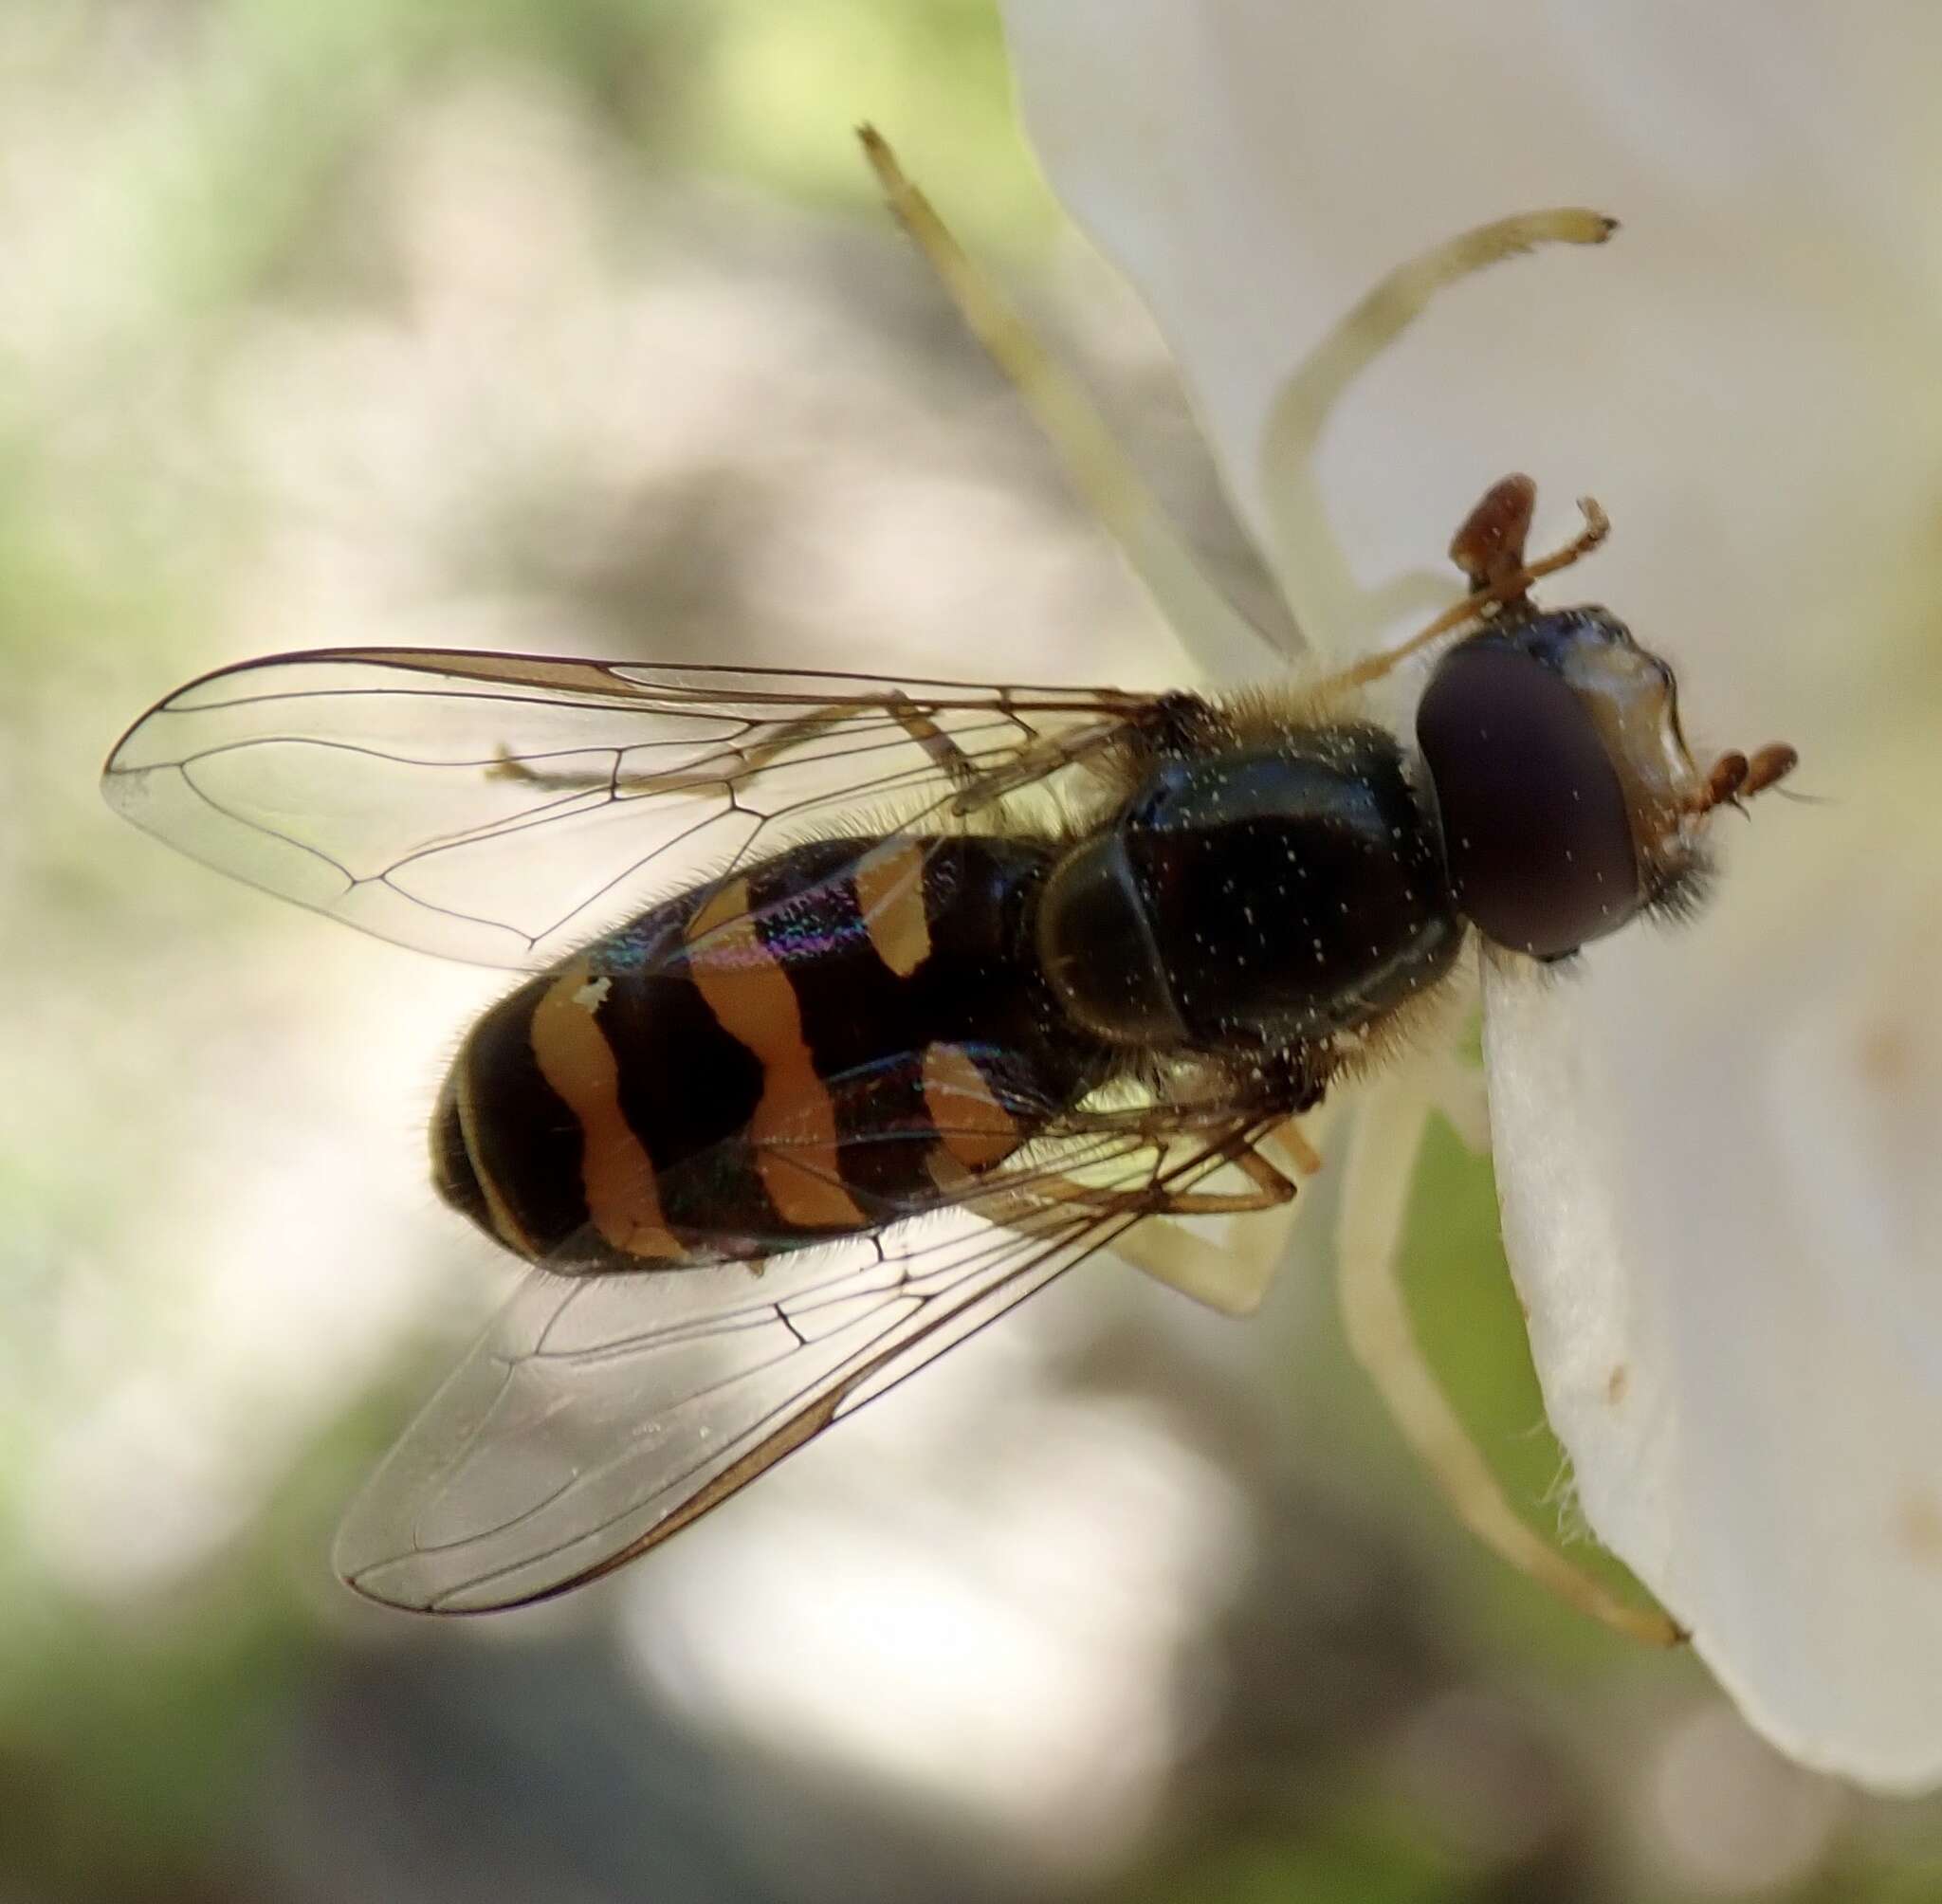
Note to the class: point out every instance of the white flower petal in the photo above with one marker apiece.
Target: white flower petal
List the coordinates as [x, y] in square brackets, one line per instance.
[1749, 1381]
[1714, 1147]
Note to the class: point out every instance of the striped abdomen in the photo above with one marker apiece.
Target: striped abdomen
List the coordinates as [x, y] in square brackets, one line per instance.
[820, 1046]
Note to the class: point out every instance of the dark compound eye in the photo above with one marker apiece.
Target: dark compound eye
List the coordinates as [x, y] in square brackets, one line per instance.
[1534, 820]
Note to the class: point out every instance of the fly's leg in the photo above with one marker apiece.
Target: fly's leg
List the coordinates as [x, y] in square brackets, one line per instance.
[1096, 464]
[984, 785]
[730, 763]
[964, 774]
[1294, 1144]
[1163, 726]
[509, 766]
[1271, 1188]
[1166, 1189]
[976, 782]
[1313, 573]
[1232, 1271]
[1506, 586]
[1231, 1274]
[734, 763]
[1268, 1189]
[1381, 1168]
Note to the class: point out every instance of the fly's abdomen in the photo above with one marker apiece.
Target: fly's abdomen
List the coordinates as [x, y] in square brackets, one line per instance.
[821, 1046]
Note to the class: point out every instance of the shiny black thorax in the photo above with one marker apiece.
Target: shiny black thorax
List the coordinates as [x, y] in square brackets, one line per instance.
[1266, 897]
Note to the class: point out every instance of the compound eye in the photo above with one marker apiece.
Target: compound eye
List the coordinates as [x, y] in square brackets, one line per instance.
[1534, 820]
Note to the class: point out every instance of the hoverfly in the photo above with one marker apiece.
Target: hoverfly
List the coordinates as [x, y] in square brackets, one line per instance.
[861, 1008]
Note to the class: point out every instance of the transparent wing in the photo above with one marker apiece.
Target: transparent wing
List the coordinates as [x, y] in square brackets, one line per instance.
[501, 807]
[599, 1414]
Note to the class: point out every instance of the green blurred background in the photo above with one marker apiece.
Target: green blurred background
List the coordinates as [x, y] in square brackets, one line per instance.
[579, 325]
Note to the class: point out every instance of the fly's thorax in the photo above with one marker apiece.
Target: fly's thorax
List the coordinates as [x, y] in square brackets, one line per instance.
[1097, 949]
[1262, 896]
[1568, 800]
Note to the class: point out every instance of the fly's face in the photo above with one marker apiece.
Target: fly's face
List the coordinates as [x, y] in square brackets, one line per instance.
[1569, 800]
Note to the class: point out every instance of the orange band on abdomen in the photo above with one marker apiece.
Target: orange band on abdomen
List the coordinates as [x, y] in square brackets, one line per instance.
[793, 1130]
[889, 894]
[972, 1124]
[574, 1058]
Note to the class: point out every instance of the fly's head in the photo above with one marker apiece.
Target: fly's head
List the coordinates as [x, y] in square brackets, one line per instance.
[1570, 802]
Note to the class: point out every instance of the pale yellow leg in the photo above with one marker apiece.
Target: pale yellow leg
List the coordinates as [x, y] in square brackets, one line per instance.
[1375, 1205]
[1096, 464]
[1310, 568]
